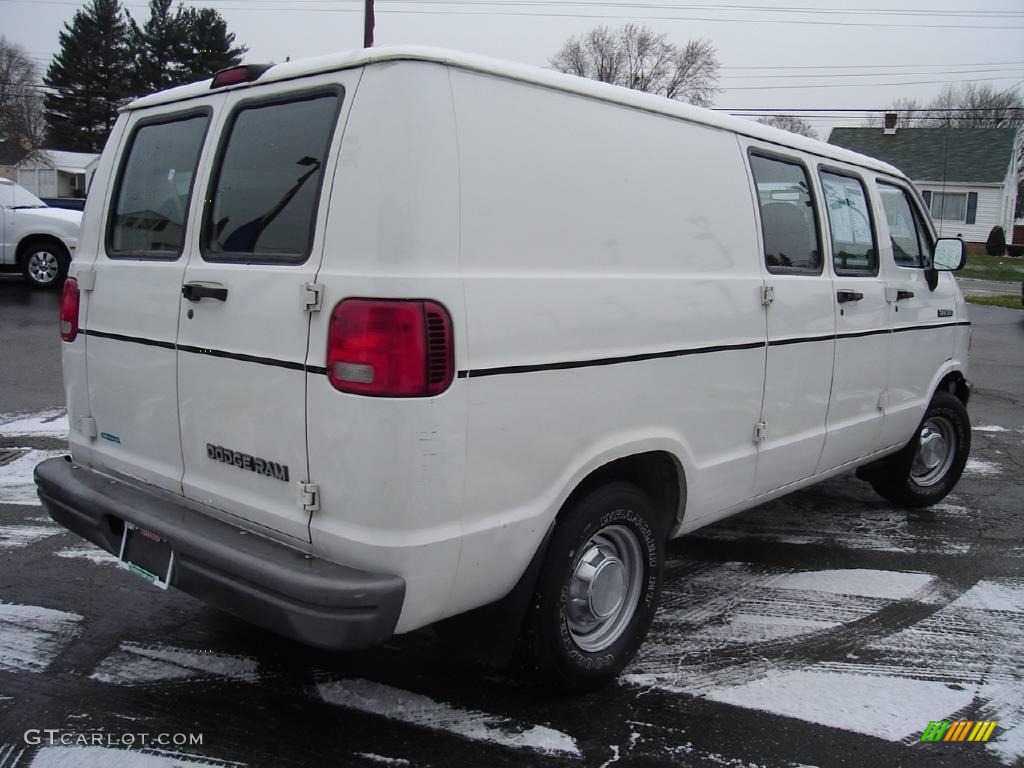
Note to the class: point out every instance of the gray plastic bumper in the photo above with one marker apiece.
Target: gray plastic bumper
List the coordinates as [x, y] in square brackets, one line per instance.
[311, 600]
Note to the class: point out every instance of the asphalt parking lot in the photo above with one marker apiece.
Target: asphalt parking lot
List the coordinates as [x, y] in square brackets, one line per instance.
[823, 629]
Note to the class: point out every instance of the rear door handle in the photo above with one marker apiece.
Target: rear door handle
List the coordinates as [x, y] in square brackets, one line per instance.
[844, 296]
[901, 295]
[197, 291]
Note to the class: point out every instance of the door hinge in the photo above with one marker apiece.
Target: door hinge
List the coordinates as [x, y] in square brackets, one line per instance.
[87, 426]
[883, 401]
[760, 432]
[767, 294]
[312, 297]
[310, 495]
[86, 278]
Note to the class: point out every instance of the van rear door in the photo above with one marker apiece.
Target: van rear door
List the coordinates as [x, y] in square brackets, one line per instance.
[133, 308]
[244, 326]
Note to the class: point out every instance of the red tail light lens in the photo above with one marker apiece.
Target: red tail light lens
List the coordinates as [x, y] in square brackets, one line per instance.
[69, 310]
[390, 348]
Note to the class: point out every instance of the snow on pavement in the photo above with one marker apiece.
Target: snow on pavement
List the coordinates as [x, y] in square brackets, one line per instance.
[17, 485]
[134, 663]
[107, 757]
[415, 709]
[88, 551]
[982, 468]
[52, 422]
[32, 636]
[960, 662]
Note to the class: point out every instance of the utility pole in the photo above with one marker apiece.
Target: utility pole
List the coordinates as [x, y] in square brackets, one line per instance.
[368, 25]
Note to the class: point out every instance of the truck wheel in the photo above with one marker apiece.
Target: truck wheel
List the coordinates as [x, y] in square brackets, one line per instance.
[932, 462]
[45, 264]
[598, 588]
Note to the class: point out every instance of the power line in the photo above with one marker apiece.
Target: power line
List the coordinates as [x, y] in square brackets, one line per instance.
[549, 14]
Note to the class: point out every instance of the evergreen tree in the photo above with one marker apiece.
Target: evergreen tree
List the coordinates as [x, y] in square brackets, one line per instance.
[90, 77]
[181, 45]
[210, 48]
[159, 46]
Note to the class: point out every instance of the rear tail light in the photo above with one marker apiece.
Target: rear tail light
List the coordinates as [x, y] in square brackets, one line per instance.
[69, 310]
[390, 348]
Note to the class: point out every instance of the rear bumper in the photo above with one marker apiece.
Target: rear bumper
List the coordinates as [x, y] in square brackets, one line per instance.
[311, 600]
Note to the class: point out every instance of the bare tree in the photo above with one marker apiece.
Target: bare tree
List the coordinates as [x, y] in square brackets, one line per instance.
[976, 106]
[908, 114]
[790, 123]
[637, 57]
[21, 113]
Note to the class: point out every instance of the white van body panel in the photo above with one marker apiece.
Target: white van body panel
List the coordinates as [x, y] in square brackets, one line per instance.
[600, 253]
[391, 471]
[557, 272]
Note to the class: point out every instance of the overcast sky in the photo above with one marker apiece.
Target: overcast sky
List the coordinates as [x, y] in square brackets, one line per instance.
[822, 54]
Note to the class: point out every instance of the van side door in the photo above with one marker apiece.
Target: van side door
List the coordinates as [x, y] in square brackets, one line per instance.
[800, 321]
[923, 320]
[246, 302]
[855, 413]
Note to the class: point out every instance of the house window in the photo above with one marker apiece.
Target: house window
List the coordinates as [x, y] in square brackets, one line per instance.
[949, 206]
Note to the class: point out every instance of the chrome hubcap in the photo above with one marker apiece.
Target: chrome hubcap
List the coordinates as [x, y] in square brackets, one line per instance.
[604, 588]
[43, 266]
[936, 448]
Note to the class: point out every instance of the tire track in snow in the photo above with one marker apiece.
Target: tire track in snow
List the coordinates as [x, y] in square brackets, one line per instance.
[31, 636]
[421, 711]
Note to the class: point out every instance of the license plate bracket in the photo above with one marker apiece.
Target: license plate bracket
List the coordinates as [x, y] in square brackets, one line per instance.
[147, 555]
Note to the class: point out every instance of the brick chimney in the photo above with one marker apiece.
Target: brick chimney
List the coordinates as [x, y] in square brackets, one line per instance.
[890, 123]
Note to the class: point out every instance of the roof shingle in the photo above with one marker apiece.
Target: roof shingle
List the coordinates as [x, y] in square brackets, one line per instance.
[969, 155]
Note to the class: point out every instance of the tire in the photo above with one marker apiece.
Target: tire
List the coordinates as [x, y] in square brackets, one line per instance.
[917, 477]
[45, 264]
[573, 636]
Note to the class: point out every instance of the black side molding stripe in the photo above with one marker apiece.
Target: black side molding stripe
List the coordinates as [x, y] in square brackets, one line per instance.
[476, 373]
[132, 339]
[562, 366]
[290, 365]
[200, 350]
[927, 326]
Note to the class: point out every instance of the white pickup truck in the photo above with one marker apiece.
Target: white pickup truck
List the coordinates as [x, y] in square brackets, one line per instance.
[36, 240]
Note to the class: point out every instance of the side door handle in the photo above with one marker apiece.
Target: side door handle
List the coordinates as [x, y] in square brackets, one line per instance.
[844, 296]
[197, 291]
[901, 295]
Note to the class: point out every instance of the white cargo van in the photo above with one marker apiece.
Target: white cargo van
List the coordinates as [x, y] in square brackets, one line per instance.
[365, 342]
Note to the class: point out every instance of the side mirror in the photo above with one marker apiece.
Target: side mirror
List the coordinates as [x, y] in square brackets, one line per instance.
[950, 254]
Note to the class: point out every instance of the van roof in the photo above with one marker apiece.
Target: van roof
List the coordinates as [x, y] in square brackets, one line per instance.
[535, 75]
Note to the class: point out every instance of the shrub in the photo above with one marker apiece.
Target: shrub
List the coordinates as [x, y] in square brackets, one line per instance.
[1015, 250]
[996, 243]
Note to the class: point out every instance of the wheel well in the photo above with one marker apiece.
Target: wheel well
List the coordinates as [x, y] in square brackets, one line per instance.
[955, 383]
[656, 473]
[31, 240]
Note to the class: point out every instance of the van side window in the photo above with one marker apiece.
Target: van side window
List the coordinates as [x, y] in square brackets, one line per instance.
[911, 245]
[788, 223]
[854, 251]
[154, 189]
[262, 207]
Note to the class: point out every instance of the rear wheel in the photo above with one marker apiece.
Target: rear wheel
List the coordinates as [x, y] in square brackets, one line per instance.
[45, 264]
[928, 468]
[598, 588]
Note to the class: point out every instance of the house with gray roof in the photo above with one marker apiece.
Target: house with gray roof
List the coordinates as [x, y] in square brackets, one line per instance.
[967, 176]
[57, 173]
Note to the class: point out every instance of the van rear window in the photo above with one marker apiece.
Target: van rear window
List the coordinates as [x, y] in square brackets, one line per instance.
[155, 187]
[264, 197]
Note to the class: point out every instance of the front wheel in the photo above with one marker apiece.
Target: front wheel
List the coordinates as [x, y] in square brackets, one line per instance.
[928, 468]
[598, 588]
[45, 265]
